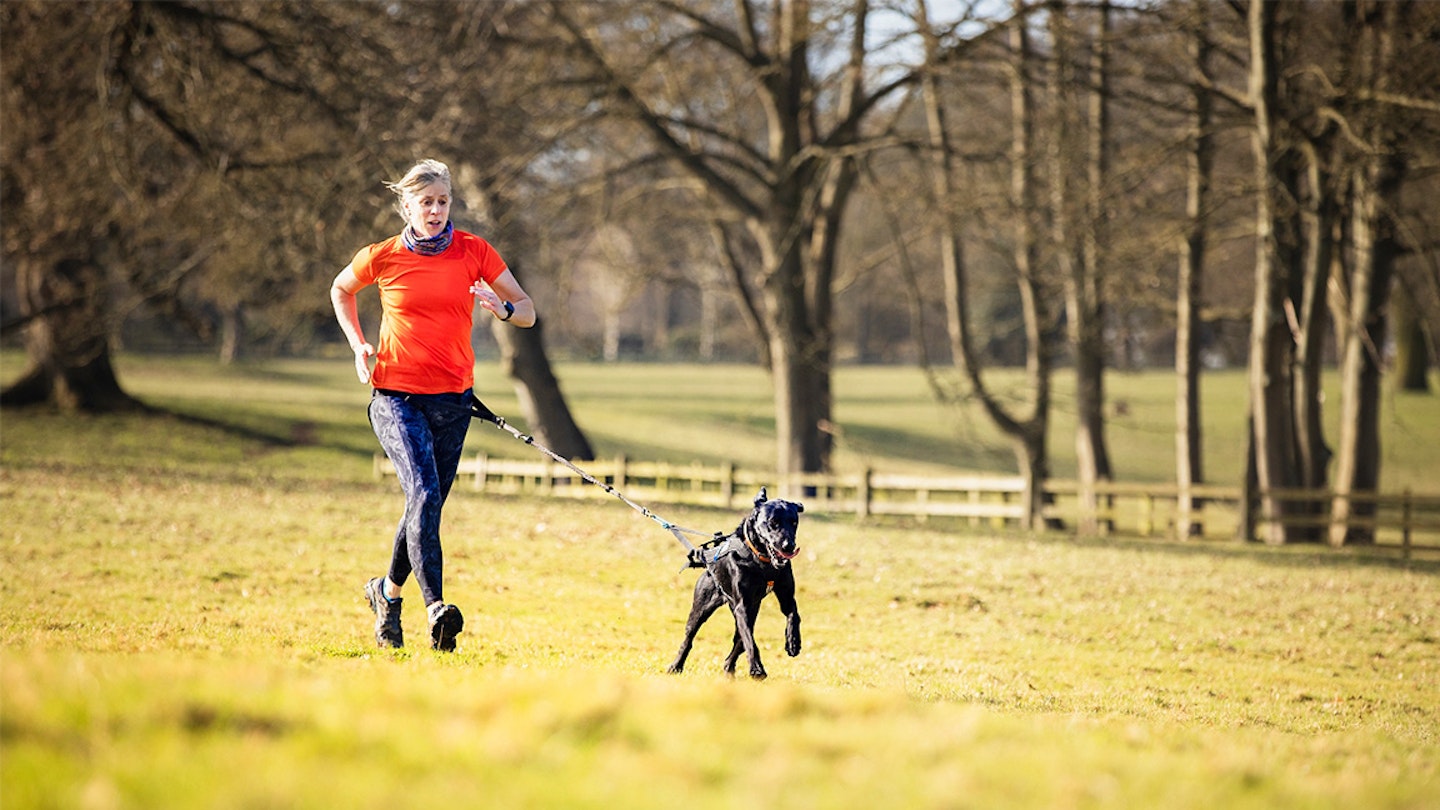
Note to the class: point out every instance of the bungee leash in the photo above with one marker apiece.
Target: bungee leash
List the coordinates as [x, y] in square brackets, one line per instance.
[480, 411]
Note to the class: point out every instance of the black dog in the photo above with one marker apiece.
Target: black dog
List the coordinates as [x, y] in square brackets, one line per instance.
[739, 570]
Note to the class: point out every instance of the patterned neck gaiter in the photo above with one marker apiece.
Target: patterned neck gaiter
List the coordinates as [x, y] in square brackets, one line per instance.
[429, 246]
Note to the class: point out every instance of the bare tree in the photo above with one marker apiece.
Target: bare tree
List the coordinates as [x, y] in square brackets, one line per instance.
[1027, 433]
[1375, 185]
[230, 158]
[182, 165]
[1271, 380]
[774, 162]
[1080, 150]
[1331, 159]
[59, 204]
[1199, 164]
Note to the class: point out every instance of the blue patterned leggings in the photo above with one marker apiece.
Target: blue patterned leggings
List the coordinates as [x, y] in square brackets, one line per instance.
[423, 434]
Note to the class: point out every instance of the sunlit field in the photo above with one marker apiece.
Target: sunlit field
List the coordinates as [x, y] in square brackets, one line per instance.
[183, 623]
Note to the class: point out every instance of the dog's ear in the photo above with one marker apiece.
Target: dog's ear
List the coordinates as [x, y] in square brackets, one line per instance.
[761, 498]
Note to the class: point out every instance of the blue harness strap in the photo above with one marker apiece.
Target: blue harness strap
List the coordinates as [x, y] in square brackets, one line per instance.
[709, 552]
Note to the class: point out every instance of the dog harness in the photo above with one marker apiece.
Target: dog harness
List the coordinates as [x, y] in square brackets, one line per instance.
[712, 551]
[708, 552]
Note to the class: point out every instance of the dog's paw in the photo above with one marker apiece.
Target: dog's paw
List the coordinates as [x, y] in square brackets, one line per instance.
[758, 673]
[792, 647]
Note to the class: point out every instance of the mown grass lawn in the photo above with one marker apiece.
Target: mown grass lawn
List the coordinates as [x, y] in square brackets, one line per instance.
[183, 627]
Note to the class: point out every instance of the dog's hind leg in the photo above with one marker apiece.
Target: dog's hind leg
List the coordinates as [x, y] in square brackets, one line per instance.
[708, 599]
[734, 656]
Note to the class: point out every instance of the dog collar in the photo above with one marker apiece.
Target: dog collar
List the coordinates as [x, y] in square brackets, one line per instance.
[753, 550]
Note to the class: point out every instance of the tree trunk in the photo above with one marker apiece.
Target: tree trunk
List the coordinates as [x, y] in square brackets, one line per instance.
[1375, 192]
[799, 362]
[67, 339]
[522, 351]
[1200, 160]
[546, 412]
[801, 397]
[232, 333]
[709, 322]
[1270, 385]
[1085, 302]
[1357, 467]
[610, 336]
[1412, 353]
[1028, 435]
[1309, 325]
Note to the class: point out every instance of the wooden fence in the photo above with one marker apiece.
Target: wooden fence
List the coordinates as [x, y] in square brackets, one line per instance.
[1407, 521]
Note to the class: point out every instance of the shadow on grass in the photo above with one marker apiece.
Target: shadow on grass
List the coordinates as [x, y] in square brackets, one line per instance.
[282, 433]
[867, 441]
[268, 373]
[1299, 555]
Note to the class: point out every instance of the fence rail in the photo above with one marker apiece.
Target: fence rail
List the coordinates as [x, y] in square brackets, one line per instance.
[1406, 521]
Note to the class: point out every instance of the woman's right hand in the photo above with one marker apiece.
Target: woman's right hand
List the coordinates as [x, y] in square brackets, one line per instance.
[363, 353]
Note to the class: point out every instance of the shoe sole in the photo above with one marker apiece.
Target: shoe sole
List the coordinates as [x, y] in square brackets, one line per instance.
[446, 627]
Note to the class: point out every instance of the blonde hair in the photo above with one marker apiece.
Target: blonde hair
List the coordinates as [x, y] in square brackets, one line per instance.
[420, 175]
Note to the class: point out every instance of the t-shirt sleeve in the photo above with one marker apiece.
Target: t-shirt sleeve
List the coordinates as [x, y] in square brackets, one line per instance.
[490, 264]
[364, 266]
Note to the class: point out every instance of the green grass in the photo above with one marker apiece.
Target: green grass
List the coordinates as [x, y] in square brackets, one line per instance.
[183, 627]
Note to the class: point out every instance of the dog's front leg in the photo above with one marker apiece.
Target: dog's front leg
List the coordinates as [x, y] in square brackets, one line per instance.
[748, 610]
[785, 595]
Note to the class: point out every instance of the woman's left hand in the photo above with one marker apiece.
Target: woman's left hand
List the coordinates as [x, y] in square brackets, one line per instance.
[487, 299]
[503, 298]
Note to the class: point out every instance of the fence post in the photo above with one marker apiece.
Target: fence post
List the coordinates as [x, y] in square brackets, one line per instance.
[727, 484]
[482, 471]
[862, 506]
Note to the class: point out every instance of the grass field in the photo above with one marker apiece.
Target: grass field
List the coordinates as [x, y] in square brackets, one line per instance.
[183, 626]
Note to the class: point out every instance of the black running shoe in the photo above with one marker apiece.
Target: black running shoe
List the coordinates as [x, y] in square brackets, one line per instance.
[445, 624]
[387, 615]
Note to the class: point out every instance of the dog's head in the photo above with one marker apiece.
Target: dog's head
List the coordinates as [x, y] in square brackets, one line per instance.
[773, 526]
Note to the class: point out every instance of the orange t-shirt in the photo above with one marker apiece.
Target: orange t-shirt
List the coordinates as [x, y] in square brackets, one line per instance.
[426, 311]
